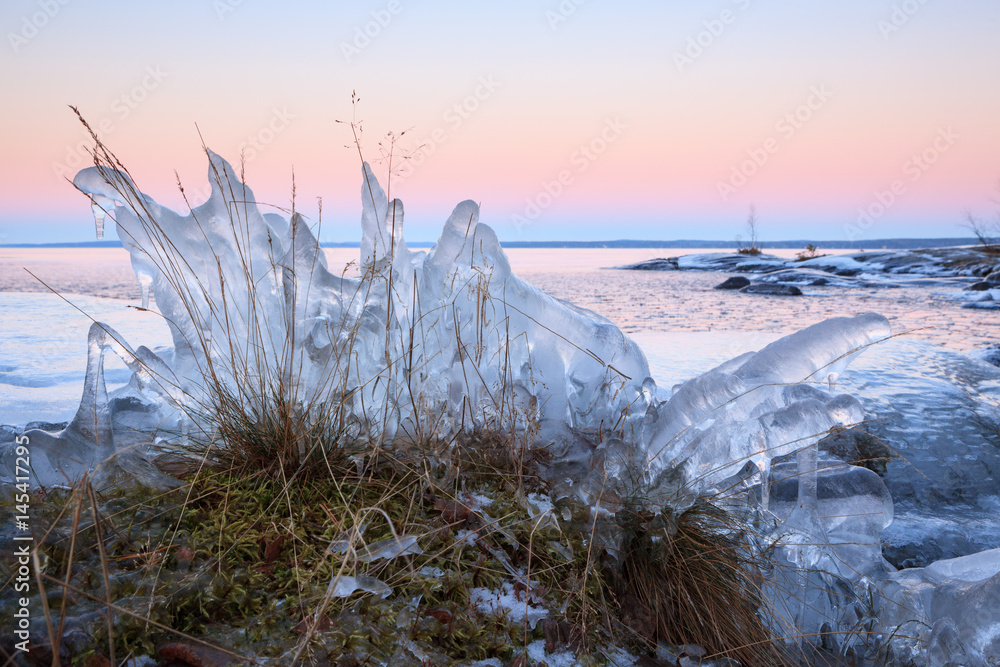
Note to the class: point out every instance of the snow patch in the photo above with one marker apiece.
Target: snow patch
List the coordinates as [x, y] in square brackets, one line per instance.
[517, 608]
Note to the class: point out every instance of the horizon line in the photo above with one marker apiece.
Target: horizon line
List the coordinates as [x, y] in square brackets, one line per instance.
[896, 243]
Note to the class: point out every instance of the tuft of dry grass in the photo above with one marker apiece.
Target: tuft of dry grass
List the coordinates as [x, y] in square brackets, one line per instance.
[275, 436]
[694, 579]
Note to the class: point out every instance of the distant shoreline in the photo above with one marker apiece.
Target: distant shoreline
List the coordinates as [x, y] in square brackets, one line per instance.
[689, 244]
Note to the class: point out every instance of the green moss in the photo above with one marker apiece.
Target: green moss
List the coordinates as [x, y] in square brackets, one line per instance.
[241, 560]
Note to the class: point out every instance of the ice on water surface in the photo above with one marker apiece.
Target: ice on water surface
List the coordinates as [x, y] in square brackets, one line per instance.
[451, 340]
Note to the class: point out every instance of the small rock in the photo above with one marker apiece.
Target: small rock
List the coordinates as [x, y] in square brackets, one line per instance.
[658, 264]
[693, 650]
[807, 276]
[981, 286]
[736, 282]
[772, 289]
[302, 627]
[184, 654]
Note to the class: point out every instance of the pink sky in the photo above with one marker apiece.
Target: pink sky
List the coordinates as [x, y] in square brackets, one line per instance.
[807, 112]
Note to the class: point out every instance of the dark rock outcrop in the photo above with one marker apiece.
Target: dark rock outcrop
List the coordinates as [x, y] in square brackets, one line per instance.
[859, 448]
[990, 354]
[736, 282]
[772, 289]
[658, 264]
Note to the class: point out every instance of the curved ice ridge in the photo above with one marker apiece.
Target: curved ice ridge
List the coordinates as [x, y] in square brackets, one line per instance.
[447, 341]
[451, 332]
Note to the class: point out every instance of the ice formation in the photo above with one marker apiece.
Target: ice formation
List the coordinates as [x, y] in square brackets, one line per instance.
[450, 340]
[761, 404]
[450, 332]
[447, 340]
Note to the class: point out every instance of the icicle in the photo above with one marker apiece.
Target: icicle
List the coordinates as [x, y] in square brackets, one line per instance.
[145, 280]
[99, 215]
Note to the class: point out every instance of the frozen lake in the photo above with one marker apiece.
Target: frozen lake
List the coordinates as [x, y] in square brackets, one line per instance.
[926, 397]
[683, 325]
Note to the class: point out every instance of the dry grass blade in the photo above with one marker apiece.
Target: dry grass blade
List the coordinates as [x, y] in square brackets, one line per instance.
[69, 569]
[104, 569]
[692, 579]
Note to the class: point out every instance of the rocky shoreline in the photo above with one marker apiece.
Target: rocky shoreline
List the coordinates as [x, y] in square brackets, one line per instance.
[963, 261]
[974, 272]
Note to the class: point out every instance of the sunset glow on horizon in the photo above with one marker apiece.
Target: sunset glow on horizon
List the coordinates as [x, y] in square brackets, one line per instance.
[566, 120]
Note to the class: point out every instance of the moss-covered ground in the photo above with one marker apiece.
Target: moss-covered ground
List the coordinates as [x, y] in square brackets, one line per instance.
[245, 562]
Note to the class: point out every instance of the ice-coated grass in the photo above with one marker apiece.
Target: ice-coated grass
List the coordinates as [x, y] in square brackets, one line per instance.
[239, 557]
[279, 545]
